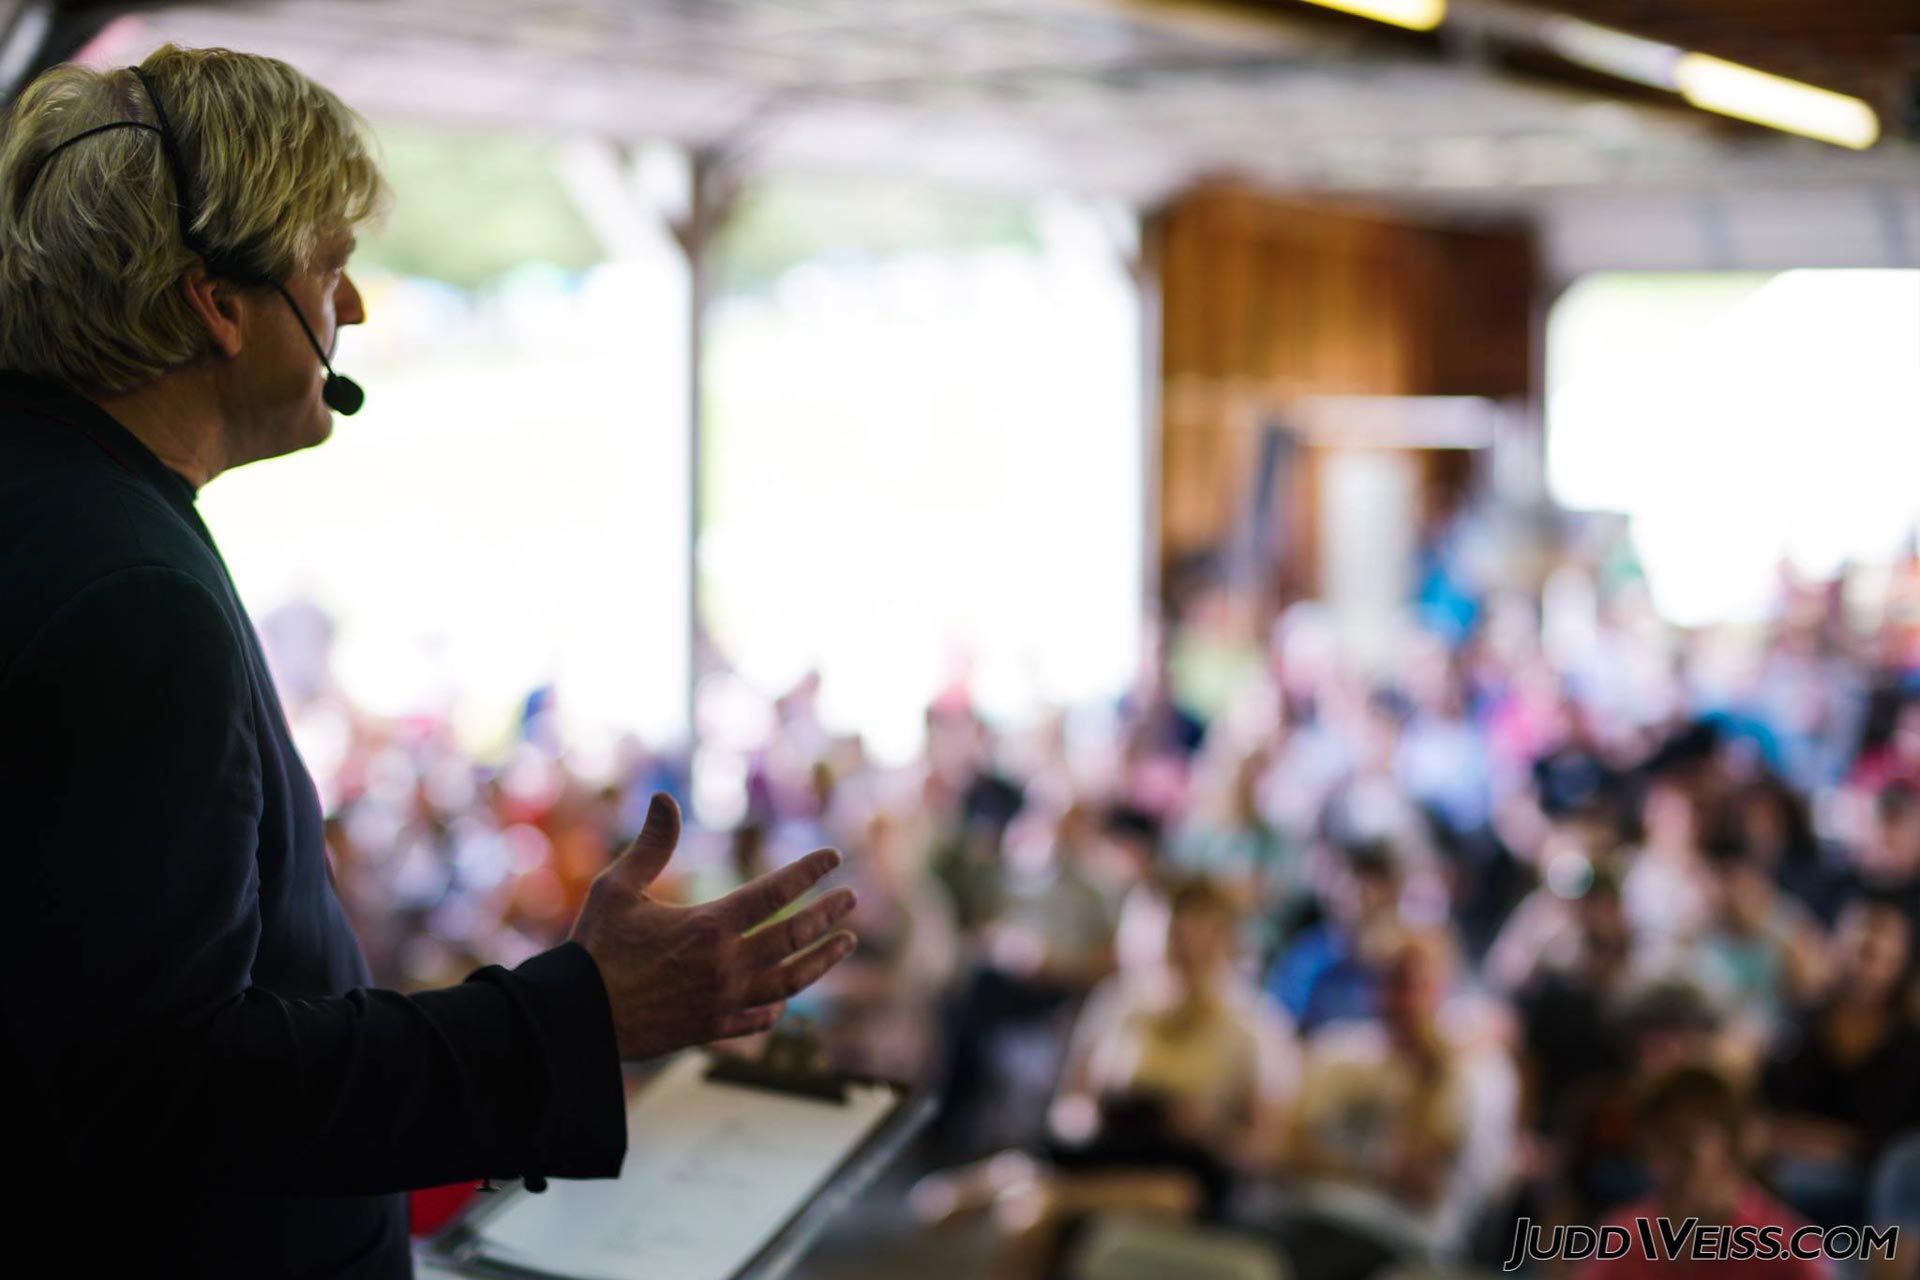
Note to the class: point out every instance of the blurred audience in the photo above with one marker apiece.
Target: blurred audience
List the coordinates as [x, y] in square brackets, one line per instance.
[1561, 913]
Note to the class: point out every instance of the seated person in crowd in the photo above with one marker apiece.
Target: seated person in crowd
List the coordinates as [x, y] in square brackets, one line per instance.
[1174, 1082]
[1656, 1028]
[1132, 851]
[876, 1004]
[1332, 970]
[1897, 759]
[1846, 1076]
[1379, 1129]
[1545, 932]
[1886, 861]
[1183, 1065]
[1666, 884]
[1773, 825]
[1568, 1039]
[1761, 952]
[1694, 1127]
[969, 806]
[1232, 841]
[1057, 916]
[1046, 945]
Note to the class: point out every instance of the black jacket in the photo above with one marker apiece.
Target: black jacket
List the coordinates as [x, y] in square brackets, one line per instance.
[197, 1078]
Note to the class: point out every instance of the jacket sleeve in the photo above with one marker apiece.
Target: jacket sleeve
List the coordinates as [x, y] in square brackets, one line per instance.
[129, 1007]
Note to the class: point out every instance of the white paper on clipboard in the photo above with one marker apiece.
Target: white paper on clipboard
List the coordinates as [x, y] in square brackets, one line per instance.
[713, 1171]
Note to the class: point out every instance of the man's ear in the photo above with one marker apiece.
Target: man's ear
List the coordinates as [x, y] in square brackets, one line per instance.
[218, 305]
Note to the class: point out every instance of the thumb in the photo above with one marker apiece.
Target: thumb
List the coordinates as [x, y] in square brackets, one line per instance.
[640, 865]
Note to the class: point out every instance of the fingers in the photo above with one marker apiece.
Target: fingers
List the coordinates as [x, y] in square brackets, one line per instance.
[643, 860]
[784, 981]
[772, 943]
[748, 1021]
[756, 900]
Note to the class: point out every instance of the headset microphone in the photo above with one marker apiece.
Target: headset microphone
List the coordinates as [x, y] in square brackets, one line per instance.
[341, 393]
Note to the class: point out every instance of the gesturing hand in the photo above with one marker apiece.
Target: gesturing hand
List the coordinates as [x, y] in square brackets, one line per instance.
[679, 976]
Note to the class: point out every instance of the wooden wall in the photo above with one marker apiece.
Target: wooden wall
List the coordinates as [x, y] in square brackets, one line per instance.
[1263, 301]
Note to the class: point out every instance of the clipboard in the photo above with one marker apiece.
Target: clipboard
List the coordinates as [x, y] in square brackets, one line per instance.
[733, 1168]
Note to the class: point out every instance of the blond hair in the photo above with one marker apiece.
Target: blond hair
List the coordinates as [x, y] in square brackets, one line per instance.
[91, 251]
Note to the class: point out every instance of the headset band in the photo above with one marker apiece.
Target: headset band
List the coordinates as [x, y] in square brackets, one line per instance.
[219, 263]
[33, 176]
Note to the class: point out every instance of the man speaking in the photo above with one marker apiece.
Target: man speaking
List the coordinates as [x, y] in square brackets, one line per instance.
[198, 1080]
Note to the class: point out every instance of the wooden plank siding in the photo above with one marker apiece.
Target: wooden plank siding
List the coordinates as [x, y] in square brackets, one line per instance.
[1264, 300]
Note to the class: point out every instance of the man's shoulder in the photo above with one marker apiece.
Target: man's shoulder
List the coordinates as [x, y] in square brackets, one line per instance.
[69, 525]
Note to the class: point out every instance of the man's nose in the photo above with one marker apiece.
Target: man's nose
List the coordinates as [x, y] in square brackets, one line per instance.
[347, 305]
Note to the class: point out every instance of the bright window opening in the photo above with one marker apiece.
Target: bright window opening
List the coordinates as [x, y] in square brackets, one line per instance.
[1739, 422]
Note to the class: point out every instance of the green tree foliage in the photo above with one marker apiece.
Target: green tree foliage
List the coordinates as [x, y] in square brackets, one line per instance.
[469, 207]
[782, 222]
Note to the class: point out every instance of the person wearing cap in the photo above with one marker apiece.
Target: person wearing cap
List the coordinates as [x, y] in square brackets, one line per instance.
[202, 1081]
